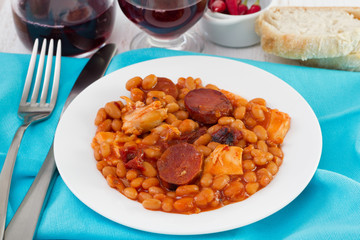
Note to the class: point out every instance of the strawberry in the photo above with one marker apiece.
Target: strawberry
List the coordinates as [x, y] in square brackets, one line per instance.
[218, 6]
[254, 8]
[232, 6]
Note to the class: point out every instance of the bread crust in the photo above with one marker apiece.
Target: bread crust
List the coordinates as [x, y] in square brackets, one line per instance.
[349, 62]
[294, 45]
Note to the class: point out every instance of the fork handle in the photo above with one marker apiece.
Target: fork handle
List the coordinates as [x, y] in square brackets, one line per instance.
[23, 224]
[6, 175]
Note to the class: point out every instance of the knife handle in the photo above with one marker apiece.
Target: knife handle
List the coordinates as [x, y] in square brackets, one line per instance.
[23, 224]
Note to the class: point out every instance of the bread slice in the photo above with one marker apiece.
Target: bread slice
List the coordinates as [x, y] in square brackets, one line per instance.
[310, 32]
[349, 62]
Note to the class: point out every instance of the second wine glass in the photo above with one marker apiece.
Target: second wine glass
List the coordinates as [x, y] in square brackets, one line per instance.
[165, 23]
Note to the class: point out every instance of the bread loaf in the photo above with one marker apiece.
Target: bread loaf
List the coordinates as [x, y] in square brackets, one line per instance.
[349, 62]
[329, 36]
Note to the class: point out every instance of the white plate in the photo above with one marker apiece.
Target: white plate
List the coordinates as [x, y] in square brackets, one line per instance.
[77, 166]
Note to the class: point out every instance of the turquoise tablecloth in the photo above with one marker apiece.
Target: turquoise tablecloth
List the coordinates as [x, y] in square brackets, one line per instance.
[329, 208]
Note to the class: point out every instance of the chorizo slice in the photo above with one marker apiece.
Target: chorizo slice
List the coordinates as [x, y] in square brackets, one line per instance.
[207, 105]
[165, 85]
[180, 164]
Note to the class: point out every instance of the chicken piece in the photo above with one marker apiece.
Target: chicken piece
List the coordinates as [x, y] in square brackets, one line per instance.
[143, 119]
[108, 137]
[224, 160]
[279, 125]
[167, 132]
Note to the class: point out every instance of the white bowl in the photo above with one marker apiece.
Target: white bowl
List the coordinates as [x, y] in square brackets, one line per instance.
[233, 30]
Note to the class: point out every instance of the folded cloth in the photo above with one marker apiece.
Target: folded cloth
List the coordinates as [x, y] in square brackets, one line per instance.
[327, 209]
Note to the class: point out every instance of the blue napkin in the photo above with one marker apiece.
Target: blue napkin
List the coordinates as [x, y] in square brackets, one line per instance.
[329, 207]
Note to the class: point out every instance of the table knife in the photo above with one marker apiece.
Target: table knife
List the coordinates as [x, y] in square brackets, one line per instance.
[23, 224]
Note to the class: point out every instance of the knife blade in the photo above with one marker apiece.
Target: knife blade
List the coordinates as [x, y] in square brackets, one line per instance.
[23, 224]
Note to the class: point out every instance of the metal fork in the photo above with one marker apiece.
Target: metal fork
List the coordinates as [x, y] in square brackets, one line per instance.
[30, 111]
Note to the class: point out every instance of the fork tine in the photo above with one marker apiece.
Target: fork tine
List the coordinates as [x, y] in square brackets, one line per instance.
[30, 72]
[45, 87]
[35, 93]
[55, 87]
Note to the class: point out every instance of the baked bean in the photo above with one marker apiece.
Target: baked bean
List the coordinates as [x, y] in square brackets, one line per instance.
[156, 94]
[214, 129]
[258, 113]
[203, 140]
[97, 154]
[181, 115]
[248, 165]
[190, 83]
[137, 182]
[155, 190]
[276, 152]
[198, 82]
[205, 196]
[116, 125]
[181, 104]
[187, 190]
[108, 170]
[181, 82]
[184, 204]
[272, 167]
[105, 149]
[171, 118]
[121, 169]
[130, 193]
[176, 123]
[264, 176]
[150, 182]
[105, 126]
[213, 145]
[206, 180]
[159, 196]
[150, 139]
[112, 110]
[134, 82]
[237, 125]
[187, 126]
[167, 204]
[152, 153]
[220, 181]
[259, 101]
[204, 150]
[149, 82]
[225, 120]
[242, 143]
[137, 94]
[171, 194]
[151, 204]
[260, 160]
[131, 174]
[144, 195]
[112, 180]
[249, 136]
[234, 190]
[172, 107]
[260, 132]
[252, 187]
[261, 145]
[251, 122]
[100, 116]
[239, 112]
[278, 161]
[169, 99]
[120, 186]
[212, 86]
[183, 93]
[149, 170]
[101, 164]
[250, 177]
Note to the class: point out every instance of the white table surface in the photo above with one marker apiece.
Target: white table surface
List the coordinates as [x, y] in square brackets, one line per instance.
[124, 31]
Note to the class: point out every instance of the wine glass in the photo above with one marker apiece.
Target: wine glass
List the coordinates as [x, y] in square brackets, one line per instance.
[82, 25]
[165, 23]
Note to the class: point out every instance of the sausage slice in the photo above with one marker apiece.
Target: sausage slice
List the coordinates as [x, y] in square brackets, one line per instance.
[180, 164]
[207, 105]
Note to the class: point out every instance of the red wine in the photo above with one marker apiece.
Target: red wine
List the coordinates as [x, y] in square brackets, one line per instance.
[159, 19]
[81, 25]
